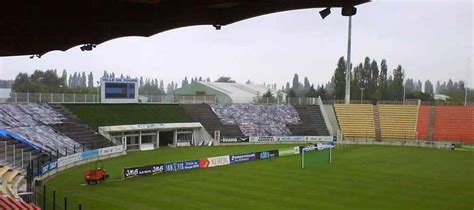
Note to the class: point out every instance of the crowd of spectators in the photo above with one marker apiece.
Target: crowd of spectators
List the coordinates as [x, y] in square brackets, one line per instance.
[258, 120]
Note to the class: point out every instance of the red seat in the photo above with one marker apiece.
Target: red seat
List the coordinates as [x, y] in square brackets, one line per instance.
[10, 205]
[454, 123]
[17, 204]
[423, 124]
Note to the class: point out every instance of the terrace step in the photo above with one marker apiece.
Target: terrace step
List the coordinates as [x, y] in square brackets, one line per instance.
[203, 113]
[432, 123]
[78, 131]
[378, 130]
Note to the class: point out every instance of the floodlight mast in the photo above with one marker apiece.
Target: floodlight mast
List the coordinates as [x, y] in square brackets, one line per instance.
[347, 10]
[348, 64]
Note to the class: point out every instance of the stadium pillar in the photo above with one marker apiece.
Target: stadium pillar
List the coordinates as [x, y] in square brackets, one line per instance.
[44, 196]
[348, 64]
[157, 139]
[175, 138]
[139, 139]
[54, 200]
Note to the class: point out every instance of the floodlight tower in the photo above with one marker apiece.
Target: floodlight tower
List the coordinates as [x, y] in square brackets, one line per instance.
[347, 10]
[348, 65]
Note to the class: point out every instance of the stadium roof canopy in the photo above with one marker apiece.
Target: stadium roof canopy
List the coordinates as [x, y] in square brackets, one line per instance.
[226, 92]
[37, 27]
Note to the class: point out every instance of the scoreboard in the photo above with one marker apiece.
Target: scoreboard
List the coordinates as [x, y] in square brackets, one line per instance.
[118, 90]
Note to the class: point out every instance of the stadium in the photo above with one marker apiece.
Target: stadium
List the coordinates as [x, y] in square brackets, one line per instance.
[222, 145]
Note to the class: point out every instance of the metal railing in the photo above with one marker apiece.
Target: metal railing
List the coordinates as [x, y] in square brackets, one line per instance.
[51, 98]
[94, 98]
[189, 99]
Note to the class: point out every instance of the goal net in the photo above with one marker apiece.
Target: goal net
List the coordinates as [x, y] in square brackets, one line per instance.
[316, 155]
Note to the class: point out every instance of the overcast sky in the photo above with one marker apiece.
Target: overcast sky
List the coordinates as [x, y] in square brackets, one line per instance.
[433, 39]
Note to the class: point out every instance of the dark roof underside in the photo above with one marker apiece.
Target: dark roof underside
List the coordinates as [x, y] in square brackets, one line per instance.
[37, 27]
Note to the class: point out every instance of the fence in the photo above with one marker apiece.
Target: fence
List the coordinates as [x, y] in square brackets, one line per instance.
[51, 98]
[17, 157]
[157, 99]
[413, 143]
[94, 98]
[49, 198]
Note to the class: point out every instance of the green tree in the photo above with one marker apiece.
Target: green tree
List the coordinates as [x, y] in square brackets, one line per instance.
[268, 94]
[420, 95]
[409, 86]
[428, 87]
[397, 86]
[296, 82]
[225, 80]
[374, 68]
[383, 76]
[64, 77]
[311, 92]
[90, 80]
[321, 92]
[291, 93]
[21, 83]
[340, 79]
[306, 83]
[356, 80]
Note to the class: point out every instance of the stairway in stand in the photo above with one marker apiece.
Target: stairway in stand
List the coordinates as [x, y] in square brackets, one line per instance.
[432, 123]
[312, 122]
[203, 113]
[73, 128]
[378, 131]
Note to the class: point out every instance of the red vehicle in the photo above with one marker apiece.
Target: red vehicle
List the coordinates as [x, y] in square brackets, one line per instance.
[95, 175]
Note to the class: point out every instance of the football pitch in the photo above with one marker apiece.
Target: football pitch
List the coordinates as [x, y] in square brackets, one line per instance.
[360, 177]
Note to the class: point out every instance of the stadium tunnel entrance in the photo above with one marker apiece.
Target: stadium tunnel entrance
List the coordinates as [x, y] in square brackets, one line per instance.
[152, 136]
[166, 138]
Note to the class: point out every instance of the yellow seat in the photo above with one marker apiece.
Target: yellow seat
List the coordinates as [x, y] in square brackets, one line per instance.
[398, 121]
[356, 120]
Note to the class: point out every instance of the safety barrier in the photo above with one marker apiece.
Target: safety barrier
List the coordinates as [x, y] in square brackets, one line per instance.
[80, 158]
[210, 162]
[274, 139]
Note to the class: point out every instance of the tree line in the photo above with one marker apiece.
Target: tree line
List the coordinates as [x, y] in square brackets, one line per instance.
[369, 82]
[373, 82]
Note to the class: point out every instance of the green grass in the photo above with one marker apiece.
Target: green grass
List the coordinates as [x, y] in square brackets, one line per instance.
[127, 114]
[360, 177]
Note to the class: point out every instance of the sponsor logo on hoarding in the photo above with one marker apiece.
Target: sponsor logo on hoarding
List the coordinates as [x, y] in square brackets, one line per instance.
[89, 154]
[49, 167]
[286, 152]
[214, 161]
[203, 163]
[143, 170]
[318, 138]
[181, 166]
[131, 172]
[262, 138]
[234, 139]
[318, 146]
[151, 126]
[267, 154]
[290, 138]
[69, 159]
[309, 148]
[242, 157]
[110, 150]
[296, 150]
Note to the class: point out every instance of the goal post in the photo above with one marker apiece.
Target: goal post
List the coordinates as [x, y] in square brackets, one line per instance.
[316, 155]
